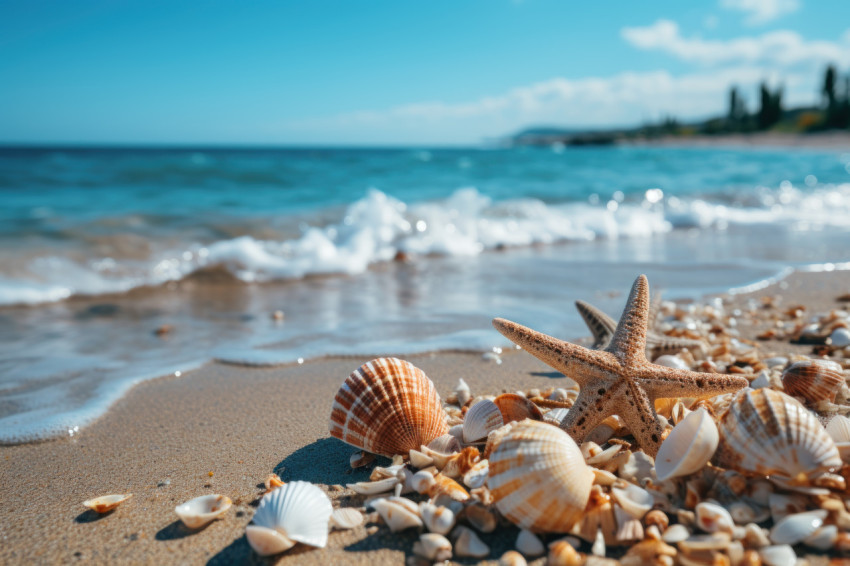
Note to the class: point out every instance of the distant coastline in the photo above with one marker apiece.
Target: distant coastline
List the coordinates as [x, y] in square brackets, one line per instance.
[837, 140]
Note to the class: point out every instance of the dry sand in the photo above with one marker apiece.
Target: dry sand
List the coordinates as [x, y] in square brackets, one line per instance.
[164, 439]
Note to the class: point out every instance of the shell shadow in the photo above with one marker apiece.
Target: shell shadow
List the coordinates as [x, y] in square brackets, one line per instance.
[178, 530]
[324, 461]
[89, 516]
[240, 552]
[549, 374]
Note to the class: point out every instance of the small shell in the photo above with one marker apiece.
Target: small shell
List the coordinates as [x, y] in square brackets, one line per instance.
[467, 543]
[106, 503]
[766, 432]
[634, 500]
[422, 481]
[462, 392]
[445, 444]
[387, 406]
[433, 546]
[838, 428]
[670, 361]
[346, 518]
[437, 519]
[813, 380]
[374, 487]
[713, 518]
[477, 474]
[482, 518]
[444, 485]
[529, 544]
[793, 529]
[419, 459]
[481, 419]
[517, 408]
[273, 481]
[562, 553]
[823, 538]
[689, 447]
[778, 555]
[197, 512]
[512, 558]
[297, 512]
[395, 514]
[538, 477]
[555, 416]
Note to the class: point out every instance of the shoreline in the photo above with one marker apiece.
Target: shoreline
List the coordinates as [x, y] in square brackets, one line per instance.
[162, 440]
[831, 140]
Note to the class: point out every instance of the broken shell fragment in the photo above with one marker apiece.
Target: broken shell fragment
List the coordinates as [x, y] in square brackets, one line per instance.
[634, 500]
[689, 447]
[529, 544]
[467, 543]
[433, 546]
[106, 503]
[273, 481]
[766, 432]
[374, 487]
[346, 518]
[482, 518]
[477, 475]
[297, 512]
[396, 514]
[387, 406]
[481, 419]
[439, 520]
[538, 477]
[197, 512]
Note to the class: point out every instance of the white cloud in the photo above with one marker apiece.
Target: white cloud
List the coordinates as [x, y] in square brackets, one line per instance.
[782, 47]
[621, 100]
[761, 11]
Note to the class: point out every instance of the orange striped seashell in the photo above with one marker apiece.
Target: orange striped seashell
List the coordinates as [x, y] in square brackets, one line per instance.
[387, 406]
[538, 478]
[766, 432]
[517, 408]
[813, 380]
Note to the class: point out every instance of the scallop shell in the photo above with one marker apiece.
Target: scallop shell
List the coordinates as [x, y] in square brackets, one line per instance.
[538, 477]
[517, 408]
[346, 518]
[766, 432]
[813, 380]
[197, 512]
[689, 447]
[481, 419]
[106, 503]
[387, 406]
[295, 512]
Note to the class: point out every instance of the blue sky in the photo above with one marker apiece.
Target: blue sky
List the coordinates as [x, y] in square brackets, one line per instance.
[392, 72]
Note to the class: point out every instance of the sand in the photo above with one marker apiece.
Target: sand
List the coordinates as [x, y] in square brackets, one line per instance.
[223, 429]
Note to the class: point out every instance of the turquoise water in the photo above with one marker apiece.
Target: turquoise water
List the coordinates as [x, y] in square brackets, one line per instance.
[99, 247]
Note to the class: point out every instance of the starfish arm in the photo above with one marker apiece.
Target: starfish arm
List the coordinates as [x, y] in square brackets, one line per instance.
[662, 382]
[600, 324]
[589, 409]
[643, 423]
[629, 341]
[572, 360]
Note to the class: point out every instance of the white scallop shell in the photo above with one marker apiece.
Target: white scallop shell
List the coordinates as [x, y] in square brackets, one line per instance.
[481, 419]
[387, 406]
[298, 511]
[346, 518]
[766, 432]
[197, 512]
[538, 477]
[838, 428]
[106, 503]
[689, 446]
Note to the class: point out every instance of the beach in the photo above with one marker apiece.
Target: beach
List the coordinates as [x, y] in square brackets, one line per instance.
[224, 428]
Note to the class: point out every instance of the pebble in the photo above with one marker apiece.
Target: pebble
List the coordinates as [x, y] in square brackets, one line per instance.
[840, 337]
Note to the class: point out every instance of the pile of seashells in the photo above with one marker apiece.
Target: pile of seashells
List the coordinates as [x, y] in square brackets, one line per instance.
[755, 477]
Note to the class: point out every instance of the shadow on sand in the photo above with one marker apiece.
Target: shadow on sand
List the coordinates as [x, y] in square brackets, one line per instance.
[178, 530]
[89, 516]
[324, 461]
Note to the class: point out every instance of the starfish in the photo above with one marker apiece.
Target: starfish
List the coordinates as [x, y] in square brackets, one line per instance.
[603, 326]
[619, 380]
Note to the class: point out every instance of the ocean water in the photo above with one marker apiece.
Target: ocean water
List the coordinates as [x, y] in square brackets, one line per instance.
[366, 251]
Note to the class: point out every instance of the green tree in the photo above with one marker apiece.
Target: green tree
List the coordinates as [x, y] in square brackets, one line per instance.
[828, 89]
[737, 110]
[770, 110]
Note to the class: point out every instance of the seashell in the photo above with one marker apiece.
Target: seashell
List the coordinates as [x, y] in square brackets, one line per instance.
[422, 481]
[813, 380]
[106, 503]
[460, 463]
[559, 394]
[712, 542]
[437, 519]
[840, 338]
[433, 546]
[529, 544]
[688, 448]
[823, 538]
[374, 487]
[793, 529]
[346, 518]
[782, 505]
[297, 512]
[634, 500]
[396, 514]
[555, 416]
[419, 459]
[476, 476]
[444, 485]
[387, 406]
[838, 428]
[562, 553]
[604, 456]
[360, 459]
[669, 361]
[713, 518]
[744, 513]
[273, 481]
[481, 419]
[598, 546]
[778, 555]
[467, 543]
[517, 408]
[755, 536]
[766, 432]
[483, 519]
[538, 477]
[494, 438]
[462, 392]
[512, 558]
[658, 518]
[197, 512]
[675, 533]
[445, 444]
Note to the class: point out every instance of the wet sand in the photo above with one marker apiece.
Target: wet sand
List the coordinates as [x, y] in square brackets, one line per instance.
[223, 429]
